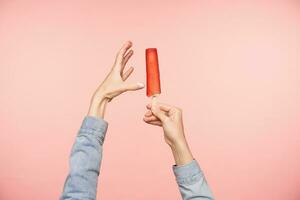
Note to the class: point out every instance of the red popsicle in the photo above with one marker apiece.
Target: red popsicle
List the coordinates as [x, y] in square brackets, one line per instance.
[152, 69]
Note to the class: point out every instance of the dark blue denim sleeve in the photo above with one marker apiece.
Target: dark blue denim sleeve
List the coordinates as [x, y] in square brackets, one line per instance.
[191, 182]
[85, 160]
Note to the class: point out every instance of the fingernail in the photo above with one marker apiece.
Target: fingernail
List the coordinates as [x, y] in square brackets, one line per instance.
[141, 84]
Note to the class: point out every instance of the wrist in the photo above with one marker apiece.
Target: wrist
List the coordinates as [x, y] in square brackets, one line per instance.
[98, 106]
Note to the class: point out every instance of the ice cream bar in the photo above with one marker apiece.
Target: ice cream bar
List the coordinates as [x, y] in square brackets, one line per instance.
[152, 69]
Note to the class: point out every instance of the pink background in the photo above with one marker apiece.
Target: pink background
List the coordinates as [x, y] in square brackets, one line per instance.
[233, 67]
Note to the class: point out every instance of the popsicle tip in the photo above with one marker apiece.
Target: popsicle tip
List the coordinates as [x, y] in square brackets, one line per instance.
[151, 49]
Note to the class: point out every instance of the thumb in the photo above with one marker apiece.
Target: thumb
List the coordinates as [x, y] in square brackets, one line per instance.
[158, 113]
[132, 86]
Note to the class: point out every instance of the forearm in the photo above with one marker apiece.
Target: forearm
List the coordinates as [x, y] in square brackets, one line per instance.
[85, 160]
[181, 152]
[98, 106]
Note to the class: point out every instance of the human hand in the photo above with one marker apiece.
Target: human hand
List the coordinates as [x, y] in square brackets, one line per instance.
[114, 83]
[170, 119]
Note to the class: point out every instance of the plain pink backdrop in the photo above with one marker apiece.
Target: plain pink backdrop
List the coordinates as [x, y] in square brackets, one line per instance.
[232, 66]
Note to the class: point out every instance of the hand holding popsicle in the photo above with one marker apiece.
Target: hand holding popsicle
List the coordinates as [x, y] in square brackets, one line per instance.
[170, 119]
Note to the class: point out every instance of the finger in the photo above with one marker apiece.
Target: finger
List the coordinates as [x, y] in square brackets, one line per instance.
[148, 113]
[164, 107]
[127, 73]
[126, 58]
[148, 106]
[132, 86]
[158, 113]
[151, 118]
[123, 50]
[156, 123]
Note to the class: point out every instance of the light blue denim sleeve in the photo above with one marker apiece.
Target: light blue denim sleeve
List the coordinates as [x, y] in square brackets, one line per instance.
[85, 160]
[191, 182]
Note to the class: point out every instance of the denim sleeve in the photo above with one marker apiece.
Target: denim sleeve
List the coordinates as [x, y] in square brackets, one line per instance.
[191, 182]
[85, 160]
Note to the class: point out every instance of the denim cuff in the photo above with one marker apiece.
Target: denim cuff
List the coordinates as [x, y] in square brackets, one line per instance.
[94, 125]
[187, 172]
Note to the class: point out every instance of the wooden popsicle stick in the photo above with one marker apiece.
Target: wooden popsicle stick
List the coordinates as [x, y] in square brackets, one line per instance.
[154, 98]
